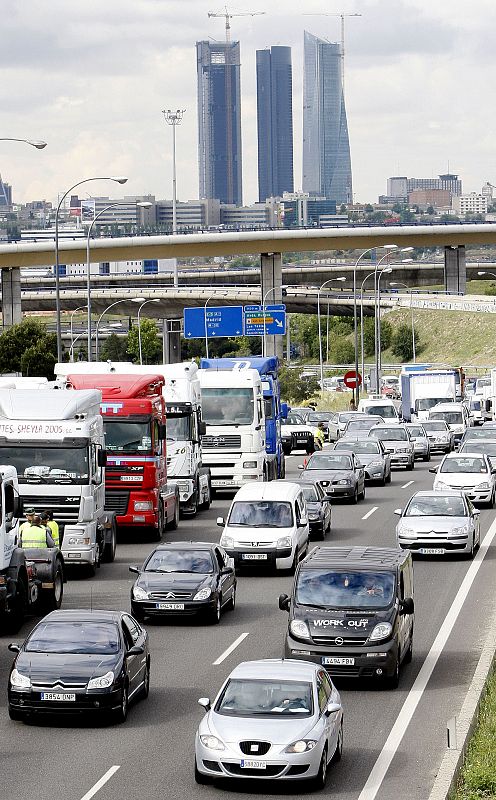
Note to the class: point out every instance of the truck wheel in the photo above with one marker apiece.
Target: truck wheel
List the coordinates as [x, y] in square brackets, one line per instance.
[158, 532]
[15, 616]
[206, 503]
[109, 548]
[53, 597]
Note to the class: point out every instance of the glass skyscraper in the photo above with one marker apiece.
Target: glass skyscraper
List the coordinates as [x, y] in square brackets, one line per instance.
[275, 122]
[326, 146]
[219, 121]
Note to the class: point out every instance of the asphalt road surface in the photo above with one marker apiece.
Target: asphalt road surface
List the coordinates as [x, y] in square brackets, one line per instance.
[154, 750]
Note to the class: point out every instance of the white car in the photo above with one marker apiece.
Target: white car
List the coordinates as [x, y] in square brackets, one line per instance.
[473, 473]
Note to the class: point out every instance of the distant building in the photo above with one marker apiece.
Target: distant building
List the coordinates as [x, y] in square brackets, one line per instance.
[472, 203]
[423, 198]
[5, 195]
[326, 146]
[399, 187]
[274, 122]
[219, 121]
[487, 191]
[191, 214]
[299, 210]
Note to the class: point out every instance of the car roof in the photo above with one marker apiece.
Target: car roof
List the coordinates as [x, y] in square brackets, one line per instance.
[185, 546]
[83, 615]
[355, 557]
[443, 493]
[275, 669]
[300, 481]
[272, 490]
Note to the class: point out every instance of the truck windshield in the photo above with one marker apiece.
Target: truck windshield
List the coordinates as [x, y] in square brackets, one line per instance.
[332, 589]
[179, 429]
[127, 437]
[425, 403]
[227, 406]
[40, 464]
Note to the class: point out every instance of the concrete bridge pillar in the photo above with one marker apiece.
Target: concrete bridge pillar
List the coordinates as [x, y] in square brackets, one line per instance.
[171, 341]
[11, 297]
[271, 281]
[455, 270]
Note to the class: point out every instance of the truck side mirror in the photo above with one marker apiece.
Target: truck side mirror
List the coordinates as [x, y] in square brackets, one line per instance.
[101, 458]
[202, 428]
[284, 410]
[162, 431]
[18, 506]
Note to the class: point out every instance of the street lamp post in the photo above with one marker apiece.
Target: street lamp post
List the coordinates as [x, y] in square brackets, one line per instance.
[321, 358]
[362, 343]
[378, 342]
[410, 291]
[33, 142]
[174, 119]
[151, 300]
[79, 308]
[123, 300]
[355, 321]
[57, 268]
[207, 301]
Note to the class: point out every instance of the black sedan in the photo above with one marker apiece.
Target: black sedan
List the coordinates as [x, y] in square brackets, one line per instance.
[318, 507]
[184, 578]
[339, 474]
[80, 661]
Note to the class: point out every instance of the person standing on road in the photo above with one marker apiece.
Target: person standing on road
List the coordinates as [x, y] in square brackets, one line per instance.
[36, 535]
[49, 522]
[29, 512]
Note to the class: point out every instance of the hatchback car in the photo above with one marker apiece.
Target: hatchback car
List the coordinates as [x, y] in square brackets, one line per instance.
[80, 661]
[342, 417]
[277, 719]
[318, 508]
[184, 578]
[487, 446]
[439, 523]
[473, 473]
[397, 442]
[325, 420]
[372, 455]
[477, 434]
[339, 473]
[421, 443]
[439, 434]
[361, 425]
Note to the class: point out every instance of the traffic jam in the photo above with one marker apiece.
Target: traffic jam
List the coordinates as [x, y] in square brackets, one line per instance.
[108, 479]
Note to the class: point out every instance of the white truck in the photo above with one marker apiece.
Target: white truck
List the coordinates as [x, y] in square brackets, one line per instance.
[233, 411]
[54, 439]
[423, 389]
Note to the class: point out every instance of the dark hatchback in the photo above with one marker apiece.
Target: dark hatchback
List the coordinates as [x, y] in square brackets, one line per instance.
[318, 508]
[184, 578]
[80, 661]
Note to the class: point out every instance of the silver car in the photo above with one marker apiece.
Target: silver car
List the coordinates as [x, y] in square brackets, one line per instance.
[439, 523]
[277, 719]
[372, 455]
[421, 443]
[397, 442]
[439, 435]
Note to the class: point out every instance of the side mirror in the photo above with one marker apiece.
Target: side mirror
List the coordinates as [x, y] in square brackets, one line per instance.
[300, 466]
[202, 428]
[134, 569]
[226, 571]
[284, 602]
[303, 521]
[162, 431]
[14, 647]
[101, 457]
[398, 512]
[18, 506]
[407, 606]
[220, 521]
[284, 410]
[332, 708]
[135, 650]
[433, 470]
[476, 512]
[204, 702]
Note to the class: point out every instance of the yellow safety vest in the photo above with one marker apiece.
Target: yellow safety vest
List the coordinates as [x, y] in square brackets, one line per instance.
[54, 530]
[33, 536]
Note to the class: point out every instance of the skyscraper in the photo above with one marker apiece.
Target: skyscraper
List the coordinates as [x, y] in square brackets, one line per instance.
[326, 146]
[275, 122]
[219, 121]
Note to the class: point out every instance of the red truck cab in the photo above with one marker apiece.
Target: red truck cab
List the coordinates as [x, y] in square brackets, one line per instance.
[136, 488]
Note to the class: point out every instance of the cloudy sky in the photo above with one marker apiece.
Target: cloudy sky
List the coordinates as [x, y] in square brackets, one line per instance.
[91, 78]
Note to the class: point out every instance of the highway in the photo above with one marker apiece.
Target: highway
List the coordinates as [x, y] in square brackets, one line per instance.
[154, 749]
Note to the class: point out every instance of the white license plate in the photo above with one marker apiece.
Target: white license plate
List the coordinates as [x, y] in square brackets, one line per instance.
[170, 606]
[73, 555]
[254, 556]
[336, 661]
[432, 551]
[222, 483]
[248, 763]
[62, 697]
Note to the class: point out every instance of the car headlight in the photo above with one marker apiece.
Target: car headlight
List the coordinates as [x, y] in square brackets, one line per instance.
[299, 629]
[313, 516]
[78, 540]
[461, 530]
[143, 505]
[301, 746]
[102, 682]
[404, 531]
[483, 486]
[374, 464]
[284, 541]
[227, 542]
[211, 742]
[343, 482]
[18, 681]
[440, 485]
[249, 464]
[139, 593]
[203, 594]
[381, 631]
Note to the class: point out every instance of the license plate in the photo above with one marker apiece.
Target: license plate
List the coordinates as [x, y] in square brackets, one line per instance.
[338, 661]
[170, 606]
[248, 763]
[222, 483]
[432, 551]
[73, 555]
[302, 441]
[62, 697]
[254, 556]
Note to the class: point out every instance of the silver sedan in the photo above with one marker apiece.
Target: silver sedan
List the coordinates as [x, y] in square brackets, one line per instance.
[277, 719]
[439, 523]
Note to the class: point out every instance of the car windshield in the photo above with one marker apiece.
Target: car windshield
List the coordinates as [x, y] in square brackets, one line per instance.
[345, 416]
[127, 437]
[396, 434]
[359, 447]
[436, 507]
[261, 514]
[417, 432]
[487, 446]
[310, 493]
[268, 698]
[475, 405]
[361, 424]
[329, 461]
[319, 416]
[332, 589]
[387, 412]
[40, 464]
[451, 417]
[479, 433]
[227, 406]
[199, 561]
[295, 419]
[436, 426]
[426, 403]
[91, 638]
[463, 464]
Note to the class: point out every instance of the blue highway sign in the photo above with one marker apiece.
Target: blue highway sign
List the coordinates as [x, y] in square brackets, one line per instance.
[271, 320]
[222, 321]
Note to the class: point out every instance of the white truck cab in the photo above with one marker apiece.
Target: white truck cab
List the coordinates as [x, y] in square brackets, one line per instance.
[380, 406]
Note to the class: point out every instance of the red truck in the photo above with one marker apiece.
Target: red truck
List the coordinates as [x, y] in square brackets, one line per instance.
[136, 488]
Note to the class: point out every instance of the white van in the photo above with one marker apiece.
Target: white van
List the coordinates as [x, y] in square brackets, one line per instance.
[381, 407]
[267, 524]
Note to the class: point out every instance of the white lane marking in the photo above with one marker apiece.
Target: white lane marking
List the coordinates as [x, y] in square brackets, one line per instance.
[406, 485]
[229, 650]
[381, 766]
[98, 785]
[369, 513]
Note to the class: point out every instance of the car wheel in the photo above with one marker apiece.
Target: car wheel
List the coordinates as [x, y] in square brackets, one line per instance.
[354, 499]
[120, 715]
[215, 615]
[320, 779]
[145, 690]
[156, 533]
[392, 681]
[339, 745]
[491, 501]
[411, 465]
[388, 479]
[203, 780]
[231, 604]
[383, 480]
[322, 533]
[137, 612]
[362, 495]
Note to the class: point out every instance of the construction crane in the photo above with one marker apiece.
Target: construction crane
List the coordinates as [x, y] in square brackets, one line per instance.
[342, 16]
[227, 16]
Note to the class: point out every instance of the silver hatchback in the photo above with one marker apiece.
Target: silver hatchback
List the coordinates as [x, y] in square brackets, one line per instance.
[439, 523]
[272, 719]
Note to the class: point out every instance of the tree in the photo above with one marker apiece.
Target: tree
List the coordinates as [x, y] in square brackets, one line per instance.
[386, 334]
[402, 345]
[114, 348]
[151, 345]
[40, 358]
[295, 389]
[369, 336]
[342, 352]
[19, 338]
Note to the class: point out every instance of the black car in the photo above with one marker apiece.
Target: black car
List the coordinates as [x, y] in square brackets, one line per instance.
[318, 507]
[184, 578]
[80, 661]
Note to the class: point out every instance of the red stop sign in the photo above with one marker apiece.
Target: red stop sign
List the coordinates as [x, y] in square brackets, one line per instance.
[352, 379]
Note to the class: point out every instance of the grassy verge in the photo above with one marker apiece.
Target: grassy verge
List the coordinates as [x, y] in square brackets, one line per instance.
[478, 776]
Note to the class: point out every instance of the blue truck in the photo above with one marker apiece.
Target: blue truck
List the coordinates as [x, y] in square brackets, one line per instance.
[274, 410]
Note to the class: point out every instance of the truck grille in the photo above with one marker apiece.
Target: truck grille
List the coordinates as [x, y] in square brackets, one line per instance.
[117, 501]
[65, 509]
[230, 441]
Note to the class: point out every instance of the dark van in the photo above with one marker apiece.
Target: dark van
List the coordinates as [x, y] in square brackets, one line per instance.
[351, 610]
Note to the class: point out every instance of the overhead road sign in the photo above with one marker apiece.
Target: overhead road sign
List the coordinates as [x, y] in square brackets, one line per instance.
[222, 321]
[268, 321]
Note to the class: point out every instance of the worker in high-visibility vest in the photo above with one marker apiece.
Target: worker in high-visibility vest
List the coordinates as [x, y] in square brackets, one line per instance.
[36, 535]
[30, 513]
[48, 520]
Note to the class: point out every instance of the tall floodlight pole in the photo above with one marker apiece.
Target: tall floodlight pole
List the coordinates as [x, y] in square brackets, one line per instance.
[174, 118]
[321, 357]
